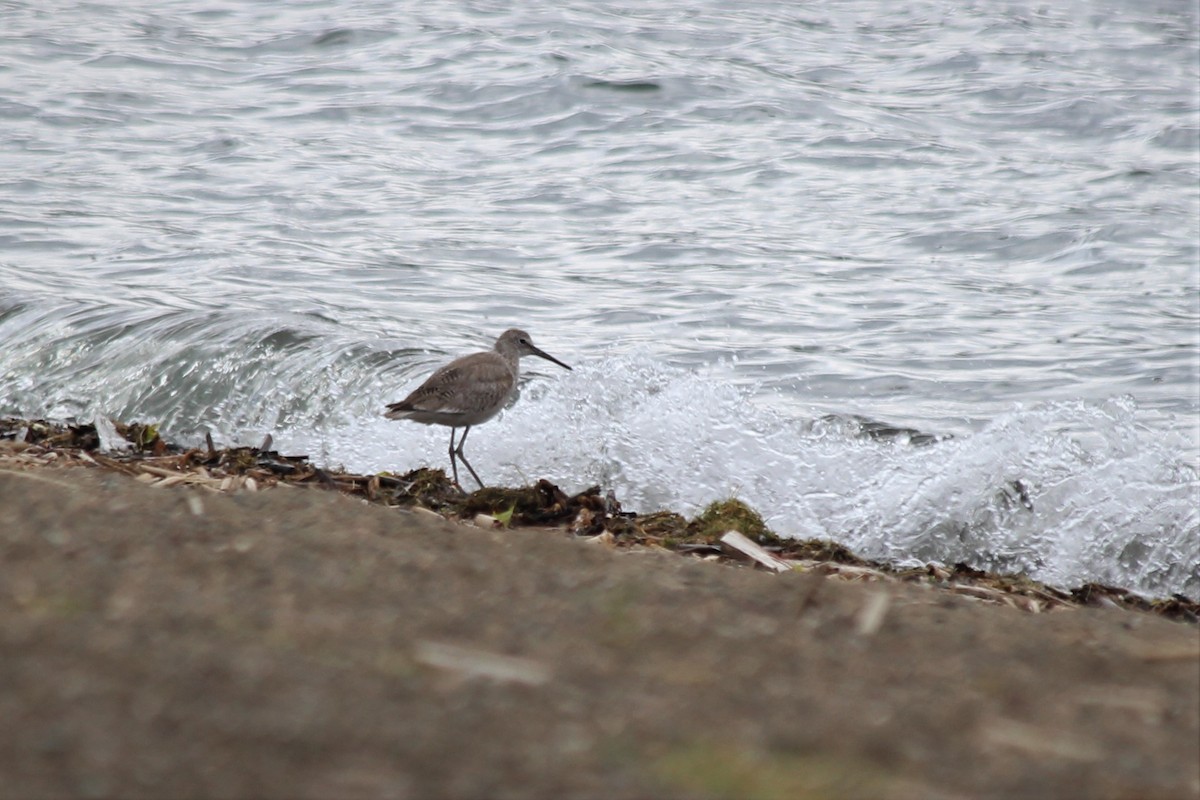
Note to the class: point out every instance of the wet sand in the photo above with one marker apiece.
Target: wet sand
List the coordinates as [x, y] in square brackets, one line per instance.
[164, 641]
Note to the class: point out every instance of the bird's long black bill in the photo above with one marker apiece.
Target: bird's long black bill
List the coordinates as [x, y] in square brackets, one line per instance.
[548, 357]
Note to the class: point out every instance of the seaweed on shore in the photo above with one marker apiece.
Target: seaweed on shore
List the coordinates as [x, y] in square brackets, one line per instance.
[32, 444]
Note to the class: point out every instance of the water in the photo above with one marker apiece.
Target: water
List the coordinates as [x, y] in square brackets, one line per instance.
[746, 225]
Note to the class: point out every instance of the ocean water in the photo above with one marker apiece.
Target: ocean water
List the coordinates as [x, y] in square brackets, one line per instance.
[754, 229]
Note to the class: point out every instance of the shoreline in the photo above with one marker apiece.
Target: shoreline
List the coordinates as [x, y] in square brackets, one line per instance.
[155, 461]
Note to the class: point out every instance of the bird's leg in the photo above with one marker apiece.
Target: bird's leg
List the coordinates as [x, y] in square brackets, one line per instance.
[460, 454]
[453, 464]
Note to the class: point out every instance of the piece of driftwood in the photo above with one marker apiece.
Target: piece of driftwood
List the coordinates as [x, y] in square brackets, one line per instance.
[740, 543]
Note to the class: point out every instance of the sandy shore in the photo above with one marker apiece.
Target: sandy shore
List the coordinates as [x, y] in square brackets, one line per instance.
[164, 641]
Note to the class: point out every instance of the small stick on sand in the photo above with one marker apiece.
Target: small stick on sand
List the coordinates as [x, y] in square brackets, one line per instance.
[739, 543]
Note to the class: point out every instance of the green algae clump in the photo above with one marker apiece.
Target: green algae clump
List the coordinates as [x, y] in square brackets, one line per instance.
[722, 516]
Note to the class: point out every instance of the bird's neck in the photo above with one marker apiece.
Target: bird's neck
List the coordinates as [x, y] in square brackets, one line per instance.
[512, 358]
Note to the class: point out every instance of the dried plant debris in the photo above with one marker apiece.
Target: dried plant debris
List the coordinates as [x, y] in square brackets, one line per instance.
[35, 444]
[540, 504]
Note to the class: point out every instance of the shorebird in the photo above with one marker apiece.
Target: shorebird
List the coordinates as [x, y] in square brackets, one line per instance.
[469, 391]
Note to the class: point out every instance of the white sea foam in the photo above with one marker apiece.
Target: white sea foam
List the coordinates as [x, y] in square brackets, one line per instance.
[1112, 500]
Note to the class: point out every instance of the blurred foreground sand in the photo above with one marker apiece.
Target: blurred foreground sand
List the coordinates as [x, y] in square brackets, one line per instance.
[161, 642]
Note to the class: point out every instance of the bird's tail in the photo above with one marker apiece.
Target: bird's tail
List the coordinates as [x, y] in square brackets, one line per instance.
[398, 410]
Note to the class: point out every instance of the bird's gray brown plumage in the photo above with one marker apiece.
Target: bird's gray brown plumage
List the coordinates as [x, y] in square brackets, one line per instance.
[469, 391]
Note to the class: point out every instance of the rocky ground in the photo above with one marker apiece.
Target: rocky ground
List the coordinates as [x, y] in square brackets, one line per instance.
[213, 627]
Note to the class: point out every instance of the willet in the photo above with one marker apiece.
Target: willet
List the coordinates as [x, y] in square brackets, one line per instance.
[469, 391]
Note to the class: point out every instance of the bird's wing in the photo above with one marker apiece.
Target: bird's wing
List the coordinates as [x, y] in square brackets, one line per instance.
[465, 386]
